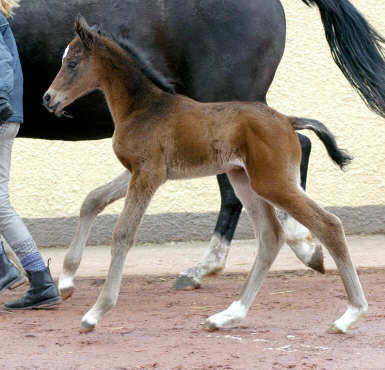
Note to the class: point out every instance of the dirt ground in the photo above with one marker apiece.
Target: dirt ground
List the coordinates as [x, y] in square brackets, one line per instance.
[154, 326]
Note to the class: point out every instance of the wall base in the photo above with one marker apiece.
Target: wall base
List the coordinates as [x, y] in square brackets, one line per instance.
[188, 226]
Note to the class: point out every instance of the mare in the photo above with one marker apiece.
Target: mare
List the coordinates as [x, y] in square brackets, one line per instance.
[160, 136]
[214, 50]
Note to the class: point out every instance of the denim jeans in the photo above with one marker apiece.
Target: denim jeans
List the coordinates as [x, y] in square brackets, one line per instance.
[12, 227]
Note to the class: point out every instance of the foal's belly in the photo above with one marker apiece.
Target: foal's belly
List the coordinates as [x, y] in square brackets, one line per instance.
[175, 172]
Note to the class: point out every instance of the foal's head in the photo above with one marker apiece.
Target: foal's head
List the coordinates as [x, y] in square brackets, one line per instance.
[77, 75]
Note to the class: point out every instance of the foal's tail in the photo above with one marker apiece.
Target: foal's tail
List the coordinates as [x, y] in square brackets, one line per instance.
[339, 156]
[357, 48]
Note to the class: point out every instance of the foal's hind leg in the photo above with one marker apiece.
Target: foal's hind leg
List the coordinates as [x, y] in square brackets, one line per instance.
[328, 229]
[298, 237]
[214, 260]
[94, 203]
[270, 236]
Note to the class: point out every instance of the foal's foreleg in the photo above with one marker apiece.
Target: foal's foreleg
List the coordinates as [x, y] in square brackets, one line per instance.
[15, 260]
[94, 203]
[270, 236]
[123, 237]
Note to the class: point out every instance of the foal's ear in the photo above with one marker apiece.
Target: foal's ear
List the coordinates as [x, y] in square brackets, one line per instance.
[84, 31]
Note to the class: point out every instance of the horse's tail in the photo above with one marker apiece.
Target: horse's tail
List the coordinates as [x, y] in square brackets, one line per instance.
[357, 48]
[339, 156]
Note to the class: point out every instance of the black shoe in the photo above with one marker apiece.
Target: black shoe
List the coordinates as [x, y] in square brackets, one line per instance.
[43, 292]
[9, 274]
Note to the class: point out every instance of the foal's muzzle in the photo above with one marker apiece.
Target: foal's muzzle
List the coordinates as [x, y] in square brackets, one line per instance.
[47, 101]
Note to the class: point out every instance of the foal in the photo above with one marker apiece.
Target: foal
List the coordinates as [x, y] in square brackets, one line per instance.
[160, 136]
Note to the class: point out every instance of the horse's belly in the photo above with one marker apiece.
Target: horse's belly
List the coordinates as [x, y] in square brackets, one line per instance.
[178, 173]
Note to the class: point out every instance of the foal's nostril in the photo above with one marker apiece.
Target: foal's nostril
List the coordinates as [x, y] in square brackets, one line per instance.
[46, 98]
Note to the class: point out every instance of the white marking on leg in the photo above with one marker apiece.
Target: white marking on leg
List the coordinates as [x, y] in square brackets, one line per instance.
[213, 261]
[294, 230]
[234, 313]
[298, 238]
[91, 318]
[351, 315]
[66, 281]
[215, 258]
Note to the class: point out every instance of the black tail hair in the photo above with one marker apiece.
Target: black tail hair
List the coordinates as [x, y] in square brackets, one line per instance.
[357, 48]
[339, 156]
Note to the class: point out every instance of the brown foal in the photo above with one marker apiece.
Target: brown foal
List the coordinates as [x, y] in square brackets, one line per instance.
[161, 136]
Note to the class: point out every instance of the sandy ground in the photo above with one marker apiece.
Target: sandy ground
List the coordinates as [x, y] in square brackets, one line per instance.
[155, 326]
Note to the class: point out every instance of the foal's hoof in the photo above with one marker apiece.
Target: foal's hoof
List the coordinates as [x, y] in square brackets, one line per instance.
[317, 260]
[86, 328]
[187, 283]
[210, 326]
[66, 293]
[335, 330]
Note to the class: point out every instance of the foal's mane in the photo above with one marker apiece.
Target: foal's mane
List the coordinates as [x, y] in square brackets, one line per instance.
[142, 61]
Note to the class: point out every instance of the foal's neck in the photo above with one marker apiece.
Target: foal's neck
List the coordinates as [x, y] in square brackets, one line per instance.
[125, 86]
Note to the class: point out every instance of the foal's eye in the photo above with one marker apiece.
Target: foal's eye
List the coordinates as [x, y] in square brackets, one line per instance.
[72, 64]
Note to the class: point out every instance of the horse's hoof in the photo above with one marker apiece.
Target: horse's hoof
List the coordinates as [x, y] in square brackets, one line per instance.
[66, 293]
[186, 283]
[317, 260]
[335, 330]
[209, 326]
[86, 328]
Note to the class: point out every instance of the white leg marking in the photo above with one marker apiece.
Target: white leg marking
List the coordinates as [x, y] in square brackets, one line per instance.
[299, 240]
[66, 281]
[298, 237]
[234, 313]
[213, 261]
[351, 315]
[90, 319]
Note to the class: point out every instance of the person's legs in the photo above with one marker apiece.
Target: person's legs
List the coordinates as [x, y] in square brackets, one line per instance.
[43, 290]
[9, 275]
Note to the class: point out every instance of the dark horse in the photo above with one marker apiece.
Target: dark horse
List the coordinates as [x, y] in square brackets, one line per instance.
[212, 50]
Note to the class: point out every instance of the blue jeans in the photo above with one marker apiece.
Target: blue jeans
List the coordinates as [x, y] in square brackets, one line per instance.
[12, 227]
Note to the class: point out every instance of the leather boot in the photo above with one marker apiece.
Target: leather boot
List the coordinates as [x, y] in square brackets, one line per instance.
[9, 274]
[42, 293]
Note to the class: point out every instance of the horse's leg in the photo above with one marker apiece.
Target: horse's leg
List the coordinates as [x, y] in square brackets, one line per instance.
[328, 229]
[215, 257]
[270, 236]
[94, 203]
[15, 260]
[242, 78]
[138, 197]
[298, 237]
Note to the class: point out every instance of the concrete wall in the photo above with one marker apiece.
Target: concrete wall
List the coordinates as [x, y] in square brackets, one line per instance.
[50, 179]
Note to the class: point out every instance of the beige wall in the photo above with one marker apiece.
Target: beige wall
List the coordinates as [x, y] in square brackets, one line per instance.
[50, 179]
